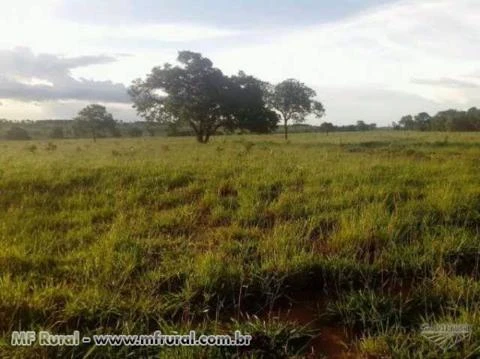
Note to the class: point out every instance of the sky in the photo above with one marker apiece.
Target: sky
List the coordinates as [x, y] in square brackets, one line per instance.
[369, 60]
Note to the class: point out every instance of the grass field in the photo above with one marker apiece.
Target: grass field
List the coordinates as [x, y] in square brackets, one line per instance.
[323, 246]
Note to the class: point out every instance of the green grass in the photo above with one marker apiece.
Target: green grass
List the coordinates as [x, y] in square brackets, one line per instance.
[131, 235]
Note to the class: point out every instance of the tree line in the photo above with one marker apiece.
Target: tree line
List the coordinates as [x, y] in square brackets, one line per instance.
[449, 120]
[328, 127]
[65, 129]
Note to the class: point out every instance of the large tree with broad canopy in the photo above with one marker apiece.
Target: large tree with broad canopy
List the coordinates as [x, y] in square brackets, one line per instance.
[199, 95]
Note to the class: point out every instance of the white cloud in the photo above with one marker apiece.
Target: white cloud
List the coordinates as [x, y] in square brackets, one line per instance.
[382, 49]
[446, 82]
[30, 77]
[18, 110]
[61, 109]
[35, 25]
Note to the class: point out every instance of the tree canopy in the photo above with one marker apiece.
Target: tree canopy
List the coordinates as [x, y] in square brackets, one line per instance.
[200, 95]
[327, 127]
[94, 120]
[294, 101]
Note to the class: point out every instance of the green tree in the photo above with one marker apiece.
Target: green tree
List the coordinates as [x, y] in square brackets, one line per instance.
[327, 127]
[422, 121]
[446, 120]
[473, 117]
[95, 121]
[294, 101]
[406, 122]
[362, 126]
[198, 95]
[248, 96]
[151, 128]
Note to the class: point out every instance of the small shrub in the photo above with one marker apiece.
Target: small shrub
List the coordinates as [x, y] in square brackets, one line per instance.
[17, 133]
[247, 145]
[368, 310]
[374, 346]
[51, 147]
[269, 192]
[227, 190]
[31, 148]
[274, 338]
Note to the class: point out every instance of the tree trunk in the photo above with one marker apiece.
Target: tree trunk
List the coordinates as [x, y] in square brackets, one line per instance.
[202, 132]
[202, 138]
[286, 129]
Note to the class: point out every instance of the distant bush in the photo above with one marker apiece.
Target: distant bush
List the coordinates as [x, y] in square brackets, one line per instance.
[57, 132]
[17, 133]
[115, 133]
[135, 132]
[31, 148]
[181, 133]
[51, 147]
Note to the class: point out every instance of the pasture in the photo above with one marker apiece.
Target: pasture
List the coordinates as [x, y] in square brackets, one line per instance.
[322, 246]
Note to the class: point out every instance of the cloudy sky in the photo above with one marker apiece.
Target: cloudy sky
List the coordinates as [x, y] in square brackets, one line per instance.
[371, 60]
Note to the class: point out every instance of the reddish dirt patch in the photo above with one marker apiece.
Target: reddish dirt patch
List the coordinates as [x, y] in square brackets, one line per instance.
[303, 308]
[331, 341]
